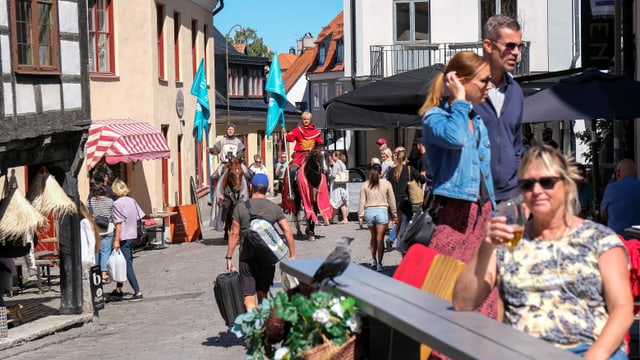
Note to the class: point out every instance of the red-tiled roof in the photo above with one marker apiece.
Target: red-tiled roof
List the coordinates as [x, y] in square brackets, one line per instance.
[240, 47]
[286, 60]
[306, 62]
[299, 67]
[335, 31]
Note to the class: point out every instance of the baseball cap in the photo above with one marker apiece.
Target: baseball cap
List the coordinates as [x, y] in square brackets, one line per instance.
[381, 141]
[547, 130]
[375, 160]
[260, 182]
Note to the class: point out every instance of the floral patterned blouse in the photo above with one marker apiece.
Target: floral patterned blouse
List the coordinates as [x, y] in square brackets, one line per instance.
[553, 289]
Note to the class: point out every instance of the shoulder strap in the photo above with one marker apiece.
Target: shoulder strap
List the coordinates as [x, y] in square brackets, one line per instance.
[408, 172]
[247, 204]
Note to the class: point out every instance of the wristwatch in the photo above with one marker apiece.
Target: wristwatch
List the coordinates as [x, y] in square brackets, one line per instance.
[228, 257]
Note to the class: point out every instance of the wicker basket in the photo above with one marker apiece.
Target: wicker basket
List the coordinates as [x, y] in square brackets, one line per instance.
[327, 351]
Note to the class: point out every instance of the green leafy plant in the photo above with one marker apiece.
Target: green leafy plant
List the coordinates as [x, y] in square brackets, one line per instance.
[284, 327]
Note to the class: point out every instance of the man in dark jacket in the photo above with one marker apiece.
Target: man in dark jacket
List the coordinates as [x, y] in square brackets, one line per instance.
[502, 112]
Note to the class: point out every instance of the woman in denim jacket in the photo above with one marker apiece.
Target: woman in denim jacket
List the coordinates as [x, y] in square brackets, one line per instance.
[458, 153]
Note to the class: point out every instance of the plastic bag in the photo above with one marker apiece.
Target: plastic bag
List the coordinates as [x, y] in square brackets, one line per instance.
[117, 266]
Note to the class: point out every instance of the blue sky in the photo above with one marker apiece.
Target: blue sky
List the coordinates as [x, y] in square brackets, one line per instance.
[278, 22]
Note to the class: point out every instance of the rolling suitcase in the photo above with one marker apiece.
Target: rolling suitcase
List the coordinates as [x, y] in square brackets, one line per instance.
[228, 293]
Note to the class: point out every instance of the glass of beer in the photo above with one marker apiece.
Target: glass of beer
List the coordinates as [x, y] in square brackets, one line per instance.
[515, 218]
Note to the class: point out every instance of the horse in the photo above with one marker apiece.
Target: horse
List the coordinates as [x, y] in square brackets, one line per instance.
[230, 190]
[310, 191]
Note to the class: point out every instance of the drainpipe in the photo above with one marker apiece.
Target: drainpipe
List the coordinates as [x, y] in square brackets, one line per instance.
[576, 34]
[353, 44]
[220, 7]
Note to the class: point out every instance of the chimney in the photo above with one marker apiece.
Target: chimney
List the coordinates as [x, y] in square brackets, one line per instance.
[292, 50]
[307, 41]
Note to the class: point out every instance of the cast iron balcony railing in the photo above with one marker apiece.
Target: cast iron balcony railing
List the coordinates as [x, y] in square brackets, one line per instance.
[387, 60]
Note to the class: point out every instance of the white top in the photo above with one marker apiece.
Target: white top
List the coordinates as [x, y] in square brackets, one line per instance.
[87, 242]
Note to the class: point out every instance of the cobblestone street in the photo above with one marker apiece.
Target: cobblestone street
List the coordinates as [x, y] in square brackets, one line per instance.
[178, 317]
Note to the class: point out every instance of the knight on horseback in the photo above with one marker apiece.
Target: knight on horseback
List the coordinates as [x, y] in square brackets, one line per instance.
[227, 148]
[311, 192]
[306, 136]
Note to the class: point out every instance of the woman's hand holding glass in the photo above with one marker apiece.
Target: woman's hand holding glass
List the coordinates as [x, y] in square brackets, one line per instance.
[511, 211]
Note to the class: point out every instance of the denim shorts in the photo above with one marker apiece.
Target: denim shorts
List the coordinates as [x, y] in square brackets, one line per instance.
[376, 216]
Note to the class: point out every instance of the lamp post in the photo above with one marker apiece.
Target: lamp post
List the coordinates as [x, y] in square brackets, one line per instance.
[227, 58]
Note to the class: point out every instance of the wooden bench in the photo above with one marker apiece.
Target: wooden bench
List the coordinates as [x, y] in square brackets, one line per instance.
[419, 317]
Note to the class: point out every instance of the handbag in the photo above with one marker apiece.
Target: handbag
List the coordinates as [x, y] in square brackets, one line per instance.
[419, 231]
[117, 266]
[416, 195]
[342, 177]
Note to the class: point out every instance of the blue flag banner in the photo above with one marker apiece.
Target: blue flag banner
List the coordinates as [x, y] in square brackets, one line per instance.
[277, 96]
[199, 90]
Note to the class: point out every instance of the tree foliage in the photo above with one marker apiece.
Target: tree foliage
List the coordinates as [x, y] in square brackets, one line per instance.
[255, 45]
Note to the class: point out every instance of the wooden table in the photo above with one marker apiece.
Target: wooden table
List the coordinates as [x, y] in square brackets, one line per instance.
[427, 319]
[162, 215]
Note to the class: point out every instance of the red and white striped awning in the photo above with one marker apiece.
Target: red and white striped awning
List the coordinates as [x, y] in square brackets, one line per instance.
[124, 141]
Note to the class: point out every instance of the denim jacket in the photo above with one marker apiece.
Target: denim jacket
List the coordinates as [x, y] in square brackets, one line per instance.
[456, 156]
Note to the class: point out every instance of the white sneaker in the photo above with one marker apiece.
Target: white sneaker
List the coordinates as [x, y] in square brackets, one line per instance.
[379, 268]
[374, 264]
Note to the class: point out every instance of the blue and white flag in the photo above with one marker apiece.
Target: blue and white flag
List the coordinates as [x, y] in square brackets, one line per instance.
[277, 97]
[199, 90]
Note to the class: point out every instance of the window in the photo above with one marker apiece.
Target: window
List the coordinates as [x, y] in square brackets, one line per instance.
[194, 37]
[488, 9]
[35, 44]
[316, 96]
[160, 33]
[340, 51]
[338, 88]
[100, 22]
[176, 44]
[412, 21]
[256, 83]
[236, 82]
[322, 54]
[325, 93]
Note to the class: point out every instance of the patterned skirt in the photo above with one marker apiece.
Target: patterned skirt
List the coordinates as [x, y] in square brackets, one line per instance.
[460, 229]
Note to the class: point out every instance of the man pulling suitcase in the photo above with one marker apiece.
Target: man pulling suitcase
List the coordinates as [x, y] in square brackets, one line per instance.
[256, 276]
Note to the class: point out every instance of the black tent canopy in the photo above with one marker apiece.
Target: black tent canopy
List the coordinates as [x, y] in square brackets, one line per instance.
[389, 103]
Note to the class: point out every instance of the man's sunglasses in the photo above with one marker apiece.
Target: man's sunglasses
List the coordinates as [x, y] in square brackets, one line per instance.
[547, 183]
[510, 46]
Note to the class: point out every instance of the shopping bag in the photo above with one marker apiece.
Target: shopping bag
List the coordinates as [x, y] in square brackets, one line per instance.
[117, 266]
[392, 233]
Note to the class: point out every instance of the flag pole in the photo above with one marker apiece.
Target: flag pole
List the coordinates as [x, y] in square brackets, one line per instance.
[286, 151]
[206, 134]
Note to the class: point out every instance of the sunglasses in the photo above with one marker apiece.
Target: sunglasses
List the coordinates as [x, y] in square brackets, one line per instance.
[547, 183]
[486, 80]
[510, 46]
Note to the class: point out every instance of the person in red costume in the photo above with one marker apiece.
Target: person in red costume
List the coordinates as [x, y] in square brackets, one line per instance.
[306, 137]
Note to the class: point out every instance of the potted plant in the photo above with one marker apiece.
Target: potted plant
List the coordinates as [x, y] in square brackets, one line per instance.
[300, 327]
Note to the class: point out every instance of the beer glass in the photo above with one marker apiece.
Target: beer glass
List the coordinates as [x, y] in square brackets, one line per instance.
[513, 212]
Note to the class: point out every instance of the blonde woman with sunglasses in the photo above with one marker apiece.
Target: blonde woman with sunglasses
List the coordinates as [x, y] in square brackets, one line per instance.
[567, 279]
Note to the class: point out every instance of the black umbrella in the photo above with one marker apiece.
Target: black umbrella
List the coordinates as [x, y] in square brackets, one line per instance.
[389, 103]
[590, 95]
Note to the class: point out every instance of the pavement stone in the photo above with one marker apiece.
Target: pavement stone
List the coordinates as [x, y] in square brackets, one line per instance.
[178, 317]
